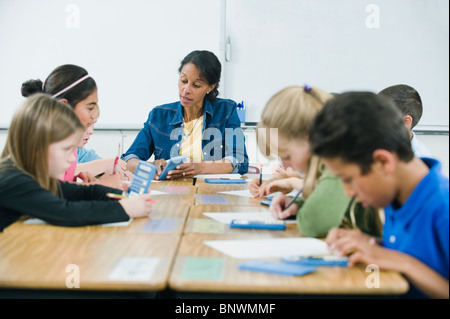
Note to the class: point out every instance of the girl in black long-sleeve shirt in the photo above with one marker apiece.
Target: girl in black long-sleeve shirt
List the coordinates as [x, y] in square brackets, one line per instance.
[39, 148]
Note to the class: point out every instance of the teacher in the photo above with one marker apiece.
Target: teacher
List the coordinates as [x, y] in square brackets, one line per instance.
[199, 125]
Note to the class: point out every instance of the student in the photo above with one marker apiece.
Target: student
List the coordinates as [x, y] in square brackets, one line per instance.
[89, 161]
[200, 125]
[363, 141]
[408, 100]
[39, 148]
[284, 180]
[73, 85]
[323, 203]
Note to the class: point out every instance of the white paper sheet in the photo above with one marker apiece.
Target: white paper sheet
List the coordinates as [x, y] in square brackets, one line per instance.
[153, 192]
[267, 248]
[227, 217]
[134, 269]
[243, 193]
[231, 176]
[37, 221]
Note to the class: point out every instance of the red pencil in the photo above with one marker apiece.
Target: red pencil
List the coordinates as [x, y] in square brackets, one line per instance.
[116, 161]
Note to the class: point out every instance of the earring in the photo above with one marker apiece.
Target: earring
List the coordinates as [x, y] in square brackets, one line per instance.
[207, 92]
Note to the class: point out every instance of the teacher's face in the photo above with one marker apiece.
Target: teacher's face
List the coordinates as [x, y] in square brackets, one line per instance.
[192, 88]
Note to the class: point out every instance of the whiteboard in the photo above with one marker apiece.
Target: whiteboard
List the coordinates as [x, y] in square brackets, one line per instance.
[339, 46]
[131, 48]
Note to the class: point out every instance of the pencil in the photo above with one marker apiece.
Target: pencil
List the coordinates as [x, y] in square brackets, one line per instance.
[295, 197]
[116, 161]
[118, 196]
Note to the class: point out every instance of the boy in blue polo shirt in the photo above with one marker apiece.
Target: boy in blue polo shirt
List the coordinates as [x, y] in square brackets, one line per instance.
[363, 140]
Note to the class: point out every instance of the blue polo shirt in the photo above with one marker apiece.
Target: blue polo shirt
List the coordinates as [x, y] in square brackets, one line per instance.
[86, 155]
[222, 136]
[420, 227]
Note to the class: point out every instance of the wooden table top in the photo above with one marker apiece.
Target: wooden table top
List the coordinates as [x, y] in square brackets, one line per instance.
[223, 274]
[43, 260]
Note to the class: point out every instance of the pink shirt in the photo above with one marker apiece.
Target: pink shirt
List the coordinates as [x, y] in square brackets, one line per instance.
[69, 175]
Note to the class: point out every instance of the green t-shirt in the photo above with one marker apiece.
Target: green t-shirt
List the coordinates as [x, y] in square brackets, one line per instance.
[328, 206]
[324, 208]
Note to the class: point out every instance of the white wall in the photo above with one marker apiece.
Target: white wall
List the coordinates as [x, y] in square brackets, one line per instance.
[339, 46]
[105, 144]
[131, 48]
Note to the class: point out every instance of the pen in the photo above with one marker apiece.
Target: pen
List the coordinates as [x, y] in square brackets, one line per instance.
[260, 174]
[116, 161]
[118, 196]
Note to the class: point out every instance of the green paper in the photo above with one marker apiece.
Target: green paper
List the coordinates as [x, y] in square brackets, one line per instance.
[203, 268]
[203, 225]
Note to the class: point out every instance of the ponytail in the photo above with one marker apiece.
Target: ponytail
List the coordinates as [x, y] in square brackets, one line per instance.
[30, 87]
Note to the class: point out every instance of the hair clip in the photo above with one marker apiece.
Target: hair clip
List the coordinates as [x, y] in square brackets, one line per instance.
[307, 88]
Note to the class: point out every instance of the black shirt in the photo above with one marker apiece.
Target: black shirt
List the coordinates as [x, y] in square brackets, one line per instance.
[81, 205]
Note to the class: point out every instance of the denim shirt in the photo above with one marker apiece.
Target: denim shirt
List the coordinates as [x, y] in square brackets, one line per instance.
[222, 136]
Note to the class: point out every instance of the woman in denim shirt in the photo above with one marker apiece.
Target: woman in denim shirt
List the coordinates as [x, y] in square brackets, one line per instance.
[203, 127]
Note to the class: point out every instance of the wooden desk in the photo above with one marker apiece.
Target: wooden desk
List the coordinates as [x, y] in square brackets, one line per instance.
[199, 223]
[40, 260]
[176, 182]
[215, 189]
[165, 208]
[336, 281]
[324, 281]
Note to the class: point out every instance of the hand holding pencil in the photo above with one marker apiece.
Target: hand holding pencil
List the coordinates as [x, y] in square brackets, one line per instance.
[283, 206]
[120, 168]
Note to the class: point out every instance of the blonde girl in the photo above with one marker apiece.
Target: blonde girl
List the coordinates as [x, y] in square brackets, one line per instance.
[39, 149]
[287, 118]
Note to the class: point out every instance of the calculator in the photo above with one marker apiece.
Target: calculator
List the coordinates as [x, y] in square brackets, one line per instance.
[143, 176]
[171, 165]
[317, 261]
[258, 224]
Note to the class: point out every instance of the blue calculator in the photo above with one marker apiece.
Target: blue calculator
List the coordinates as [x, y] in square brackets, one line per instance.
[171, 165]
[225, 181]
[266, 202]
[143, 176]
[317, 261]
[258, 224]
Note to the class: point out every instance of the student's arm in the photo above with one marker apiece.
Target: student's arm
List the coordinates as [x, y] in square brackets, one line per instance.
[96, 167]
[254, 186]
[24, 196]
[285, 186]
[368, 252]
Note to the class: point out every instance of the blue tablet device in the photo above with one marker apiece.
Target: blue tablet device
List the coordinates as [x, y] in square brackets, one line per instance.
[317, 261]
[258, 224]
[277, 268]
[225, 180]
[266, 202]
[171, 165]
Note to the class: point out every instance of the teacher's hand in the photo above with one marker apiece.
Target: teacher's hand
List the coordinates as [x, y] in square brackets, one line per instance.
[160, 164]
[186, 170]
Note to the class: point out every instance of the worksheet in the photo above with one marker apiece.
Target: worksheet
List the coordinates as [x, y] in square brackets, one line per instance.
[269, 248]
